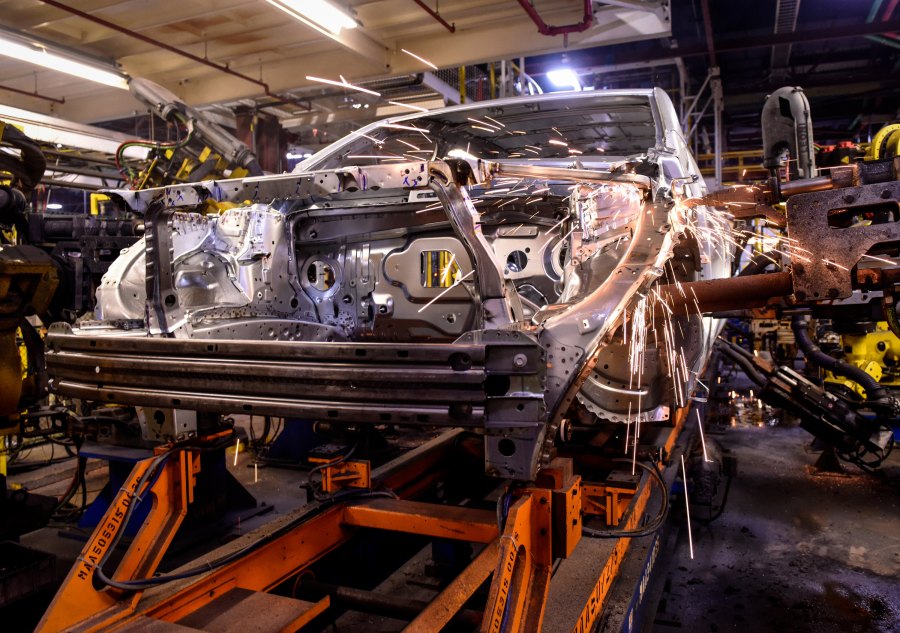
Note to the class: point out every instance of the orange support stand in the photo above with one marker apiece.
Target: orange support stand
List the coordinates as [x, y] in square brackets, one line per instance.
[522, 576]
[79, 600]
[543, 524]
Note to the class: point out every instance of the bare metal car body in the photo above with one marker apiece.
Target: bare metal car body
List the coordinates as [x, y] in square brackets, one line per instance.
[383, 282]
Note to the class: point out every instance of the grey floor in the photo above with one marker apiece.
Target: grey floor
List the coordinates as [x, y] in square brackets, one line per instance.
[793, 551]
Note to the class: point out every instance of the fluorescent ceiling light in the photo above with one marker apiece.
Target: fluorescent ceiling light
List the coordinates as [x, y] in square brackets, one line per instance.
[39, 55]
[564, 78]
[319, 14]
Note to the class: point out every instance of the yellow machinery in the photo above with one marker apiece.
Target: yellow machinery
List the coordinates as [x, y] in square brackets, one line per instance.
[886, 143]
[877, 353]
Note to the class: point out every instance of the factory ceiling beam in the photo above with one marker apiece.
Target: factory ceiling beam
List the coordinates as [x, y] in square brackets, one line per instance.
[159, 44]
[488, 41]
[153, 42]
[146, 16]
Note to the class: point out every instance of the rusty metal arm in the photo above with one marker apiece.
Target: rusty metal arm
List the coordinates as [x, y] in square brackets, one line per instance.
[718, 295]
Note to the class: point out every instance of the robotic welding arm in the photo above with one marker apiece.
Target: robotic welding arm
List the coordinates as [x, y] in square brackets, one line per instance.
[862, 439]
[170, 107]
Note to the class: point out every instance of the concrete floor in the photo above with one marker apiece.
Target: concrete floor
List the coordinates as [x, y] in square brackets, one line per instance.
[793, 551]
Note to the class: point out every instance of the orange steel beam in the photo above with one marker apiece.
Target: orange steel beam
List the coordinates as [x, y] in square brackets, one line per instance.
[522, 576]
[680, 420]
[427, 519]
[286, 555]
[446, 605]
[78, 599]
[595, 604]
[262, 569]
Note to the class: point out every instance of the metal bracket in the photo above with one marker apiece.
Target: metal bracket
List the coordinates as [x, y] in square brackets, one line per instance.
[824, 272]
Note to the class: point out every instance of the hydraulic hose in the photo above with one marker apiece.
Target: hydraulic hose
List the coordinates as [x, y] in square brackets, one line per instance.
[874, 391]
[743, 362]
[29, 168]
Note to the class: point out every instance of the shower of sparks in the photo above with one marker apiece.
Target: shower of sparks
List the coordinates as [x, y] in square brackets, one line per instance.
[398, 126]
[446, 274]
[547, 232]
[376, 156]
[553, 141]
[343, 84]
[415, 149]
[492, 120]
[483, 128]
[702, 438]
[408, 105]
[484, 123]
[455, 284]
[421, 59]
[879, 259]
[687, 508]
[371, 138]
[828, 262]
[430, 207]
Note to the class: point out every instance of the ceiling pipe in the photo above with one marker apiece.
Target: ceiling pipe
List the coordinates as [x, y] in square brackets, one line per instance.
[545, 29]
[436, 16]
[159, 44]
[33, 94]
[708, 32]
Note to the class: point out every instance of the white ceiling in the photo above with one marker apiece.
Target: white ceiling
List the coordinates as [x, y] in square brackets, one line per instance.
[256, 39]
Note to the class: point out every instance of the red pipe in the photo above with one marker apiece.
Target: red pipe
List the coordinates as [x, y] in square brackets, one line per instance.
[436, 16]
[545, 29]
[33, 94]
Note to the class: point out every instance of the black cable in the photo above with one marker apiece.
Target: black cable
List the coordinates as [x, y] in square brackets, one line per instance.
[709, 519]
[71, 490]
[132, 585]
[730, 351]
[862, 451]
[874, 391]
[648, 529]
